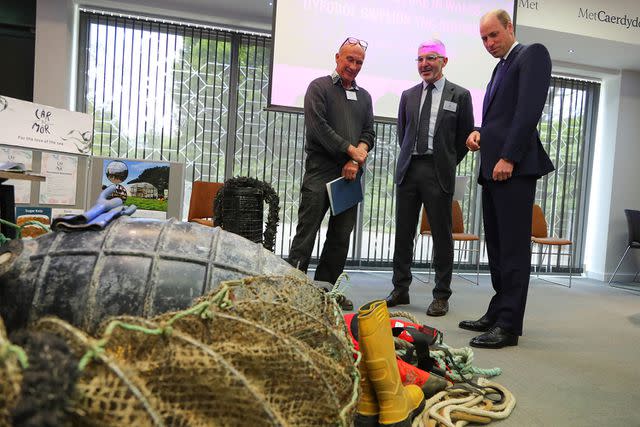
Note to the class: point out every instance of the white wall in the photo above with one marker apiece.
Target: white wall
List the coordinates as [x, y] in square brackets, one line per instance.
[53, 62]
[602, 179]
[625, 174]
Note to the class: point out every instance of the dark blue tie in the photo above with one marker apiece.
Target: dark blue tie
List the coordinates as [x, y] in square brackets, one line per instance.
[500, 70]
[422, 143]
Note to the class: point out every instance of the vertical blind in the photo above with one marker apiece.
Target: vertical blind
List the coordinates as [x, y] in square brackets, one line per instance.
[173, 92]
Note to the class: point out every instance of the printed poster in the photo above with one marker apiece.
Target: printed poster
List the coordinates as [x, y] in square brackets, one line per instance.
[61, 172]
[35, 221]
[141, 183]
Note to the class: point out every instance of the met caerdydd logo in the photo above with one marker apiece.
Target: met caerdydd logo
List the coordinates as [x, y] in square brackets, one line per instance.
[603, 16]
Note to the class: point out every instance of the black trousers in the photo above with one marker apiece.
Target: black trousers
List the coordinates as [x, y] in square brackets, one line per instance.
[507, 211]
[313, 207]
[419, 187]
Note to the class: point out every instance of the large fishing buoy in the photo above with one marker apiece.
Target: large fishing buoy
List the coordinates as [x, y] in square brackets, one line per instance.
[135, 266]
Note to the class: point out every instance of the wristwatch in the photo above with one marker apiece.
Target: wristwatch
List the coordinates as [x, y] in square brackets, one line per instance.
[354, 162]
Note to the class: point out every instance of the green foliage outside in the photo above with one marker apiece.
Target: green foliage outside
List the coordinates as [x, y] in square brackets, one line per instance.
[147, 204]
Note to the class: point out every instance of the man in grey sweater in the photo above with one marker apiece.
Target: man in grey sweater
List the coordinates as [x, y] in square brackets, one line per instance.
[339, 120]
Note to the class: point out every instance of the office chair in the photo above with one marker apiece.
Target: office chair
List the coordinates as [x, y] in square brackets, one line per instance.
[540, 237]
[633, 227]
[458, 234]
[201, 204]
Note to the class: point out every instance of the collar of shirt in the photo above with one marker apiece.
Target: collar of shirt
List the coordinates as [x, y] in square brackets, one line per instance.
[439, 84]
[335, 78]
[515, 43]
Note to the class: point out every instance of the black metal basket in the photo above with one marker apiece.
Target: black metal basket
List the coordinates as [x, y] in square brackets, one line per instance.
[242, 209]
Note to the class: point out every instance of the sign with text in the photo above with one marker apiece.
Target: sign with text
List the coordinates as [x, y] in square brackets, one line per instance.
[62, 176]
[33, 221]
[616, 21]
[30, 125]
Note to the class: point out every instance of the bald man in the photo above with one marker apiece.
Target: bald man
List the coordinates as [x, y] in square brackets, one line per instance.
[339, 120]
[434, 120]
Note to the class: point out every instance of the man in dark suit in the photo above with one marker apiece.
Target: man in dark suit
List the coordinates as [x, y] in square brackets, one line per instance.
[434, 120]
[512, 160]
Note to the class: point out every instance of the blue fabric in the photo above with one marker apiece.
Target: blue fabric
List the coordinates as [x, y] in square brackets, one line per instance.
[96, 217]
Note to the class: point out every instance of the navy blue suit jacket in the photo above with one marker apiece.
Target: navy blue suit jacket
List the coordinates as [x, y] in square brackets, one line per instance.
[510, 117]
[451, 131]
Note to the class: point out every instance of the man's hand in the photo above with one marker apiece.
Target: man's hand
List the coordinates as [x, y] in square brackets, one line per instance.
[359, 154]
[350, 170]
[473, 141]
[503, 170]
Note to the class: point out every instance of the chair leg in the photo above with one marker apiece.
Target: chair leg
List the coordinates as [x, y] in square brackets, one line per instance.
[619, 263]
[570, 266]
[478, 265]
[465, 248]
[541, 254]
[540, 260]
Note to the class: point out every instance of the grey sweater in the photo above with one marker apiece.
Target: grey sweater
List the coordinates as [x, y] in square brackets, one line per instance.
[333, 123]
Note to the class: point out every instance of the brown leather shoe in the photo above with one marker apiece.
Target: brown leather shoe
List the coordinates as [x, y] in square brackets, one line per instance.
[397, 297]
[438, 307]
[344, 303]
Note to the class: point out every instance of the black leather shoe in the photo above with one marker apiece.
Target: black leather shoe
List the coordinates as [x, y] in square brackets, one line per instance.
[496, 337]
[397, 297]
[481, 325]
[438, 307]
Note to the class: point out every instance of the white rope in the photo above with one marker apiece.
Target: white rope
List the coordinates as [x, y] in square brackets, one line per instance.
[453, 400]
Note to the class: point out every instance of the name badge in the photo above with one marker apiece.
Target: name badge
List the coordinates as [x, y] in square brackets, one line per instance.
[450, 106]
[351, 95]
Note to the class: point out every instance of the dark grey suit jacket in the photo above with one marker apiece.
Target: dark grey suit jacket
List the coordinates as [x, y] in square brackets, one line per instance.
[451, 131]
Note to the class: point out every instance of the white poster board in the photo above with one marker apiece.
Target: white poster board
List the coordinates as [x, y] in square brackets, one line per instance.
[25, 124]
[22, 189]
[61, 174]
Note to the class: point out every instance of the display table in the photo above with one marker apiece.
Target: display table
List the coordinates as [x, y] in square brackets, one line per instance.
[7, 198]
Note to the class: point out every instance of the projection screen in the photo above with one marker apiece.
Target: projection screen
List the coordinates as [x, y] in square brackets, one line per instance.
[308, 33]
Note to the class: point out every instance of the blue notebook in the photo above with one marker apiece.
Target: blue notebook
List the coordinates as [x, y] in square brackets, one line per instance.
[344, 194]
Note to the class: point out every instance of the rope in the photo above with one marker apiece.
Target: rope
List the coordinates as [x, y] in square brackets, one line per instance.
[4, 239]
[337, 293]
[463, 359]
[7, 349]
[405, 315]
[456, 407]
[339, 288]
[95, 350]
[355, 394]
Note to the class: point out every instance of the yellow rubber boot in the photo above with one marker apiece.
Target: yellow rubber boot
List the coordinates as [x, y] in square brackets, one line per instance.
[398, 404]
[368, 409]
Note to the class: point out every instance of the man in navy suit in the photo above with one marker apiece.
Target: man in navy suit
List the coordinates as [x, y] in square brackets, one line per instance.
[434, 120]
[512, 160]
